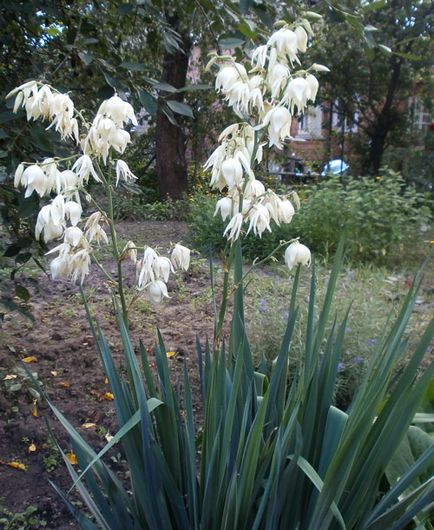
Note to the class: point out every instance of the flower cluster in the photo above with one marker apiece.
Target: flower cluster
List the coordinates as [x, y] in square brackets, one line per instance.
[63, 180]
[265, 97]
[153, 270]
[41, 102]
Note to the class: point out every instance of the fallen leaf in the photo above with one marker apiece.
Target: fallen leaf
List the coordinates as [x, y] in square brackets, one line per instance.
[88, 425]
[31, 359]
[16, 465]
[108, 396]
[108, 437]
[35, 413]
[65, 384]
[32, 448]
[9, 377]
[72, 458]
[170, 354]
[54, 373]
[106, 381]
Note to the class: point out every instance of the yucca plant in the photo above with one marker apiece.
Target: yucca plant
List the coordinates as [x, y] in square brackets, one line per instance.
[273, 451]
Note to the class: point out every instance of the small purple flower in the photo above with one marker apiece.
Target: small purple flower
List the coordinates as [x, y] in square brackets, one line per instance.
[285, 316]
[341, 367]
[348, 330]
[263, 306]
[358, 360]
[372, 342]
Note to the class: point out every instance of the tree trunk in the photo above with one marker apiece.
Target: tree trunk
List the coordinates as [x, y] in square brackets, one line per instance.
[170, 142]
[385, 122]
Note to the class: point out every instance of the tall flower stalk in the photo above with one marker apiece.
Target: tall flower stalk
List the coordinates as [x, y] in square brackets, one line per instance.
[265, 95]
[64, 181]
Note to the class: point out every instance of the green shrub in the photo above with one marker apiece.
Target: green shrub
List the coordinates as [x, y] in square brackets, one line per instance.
[133, 207]
[379, 215]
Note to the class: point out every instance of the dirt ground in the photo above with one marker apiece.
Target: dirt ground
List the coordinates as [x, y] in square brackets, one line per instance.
[60, 343]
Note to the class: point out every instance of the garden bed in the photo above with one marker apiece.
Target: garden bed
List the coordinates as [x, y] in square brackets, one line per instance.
[60, 350]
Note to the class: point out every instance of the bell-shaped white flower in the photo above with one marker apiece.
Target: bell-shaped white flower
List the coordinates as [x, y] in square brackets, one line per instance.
[60, 267]
[295, 254]
[229, 75]
[130, 252]
[180, 257]
[79, 265]
[313, 85]
[67, 182]
[34, 179]
[18, 177]
[259, 219]
[123, 172]
[73, 236]
[254, 189]
[302, 38]
[162, 268]
[146, 271]
[83, 168]
[277, 78]
[285, 211]
[157, 290]
[119, 140]
[73, 211]
[278, 120]
[233, 229]
[286, 42]
[297, 93]
[259, 56]
[93, 229]
[119, 111]
[224, 206]
[50, 221]
[232, 172]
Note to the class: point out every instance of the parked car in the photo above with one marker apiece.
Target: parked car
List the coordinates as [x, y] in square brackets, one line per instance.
[335, 167]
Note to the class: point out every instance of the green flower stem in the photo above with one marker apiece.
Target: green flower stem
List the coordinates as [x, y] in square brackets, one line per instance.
[116, 254]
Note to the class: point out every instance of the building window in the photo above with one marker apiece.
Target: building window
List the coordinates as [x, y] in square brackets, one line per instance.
[310, 124]
[421, 118]
[349, 125]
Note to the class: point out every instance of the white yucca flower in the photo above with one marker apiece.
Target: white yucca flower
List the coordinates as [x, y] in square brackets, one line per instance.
[180, 257]
[233, 230]
[302, 38]
[259, 56]
[129, 252]
[83, 168]
[254, 189]
[259, 217]
[94, 230]
[123, 172]
[73, 211]
[33, 179]
[229, 75]
[73, 236]
[296, 254]
[73, 260]
[286, 43]
[162, 268]
[118, 110]
[51, 220]
[225, 206]
[278, 120]
[277, 78]
[157, 291]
